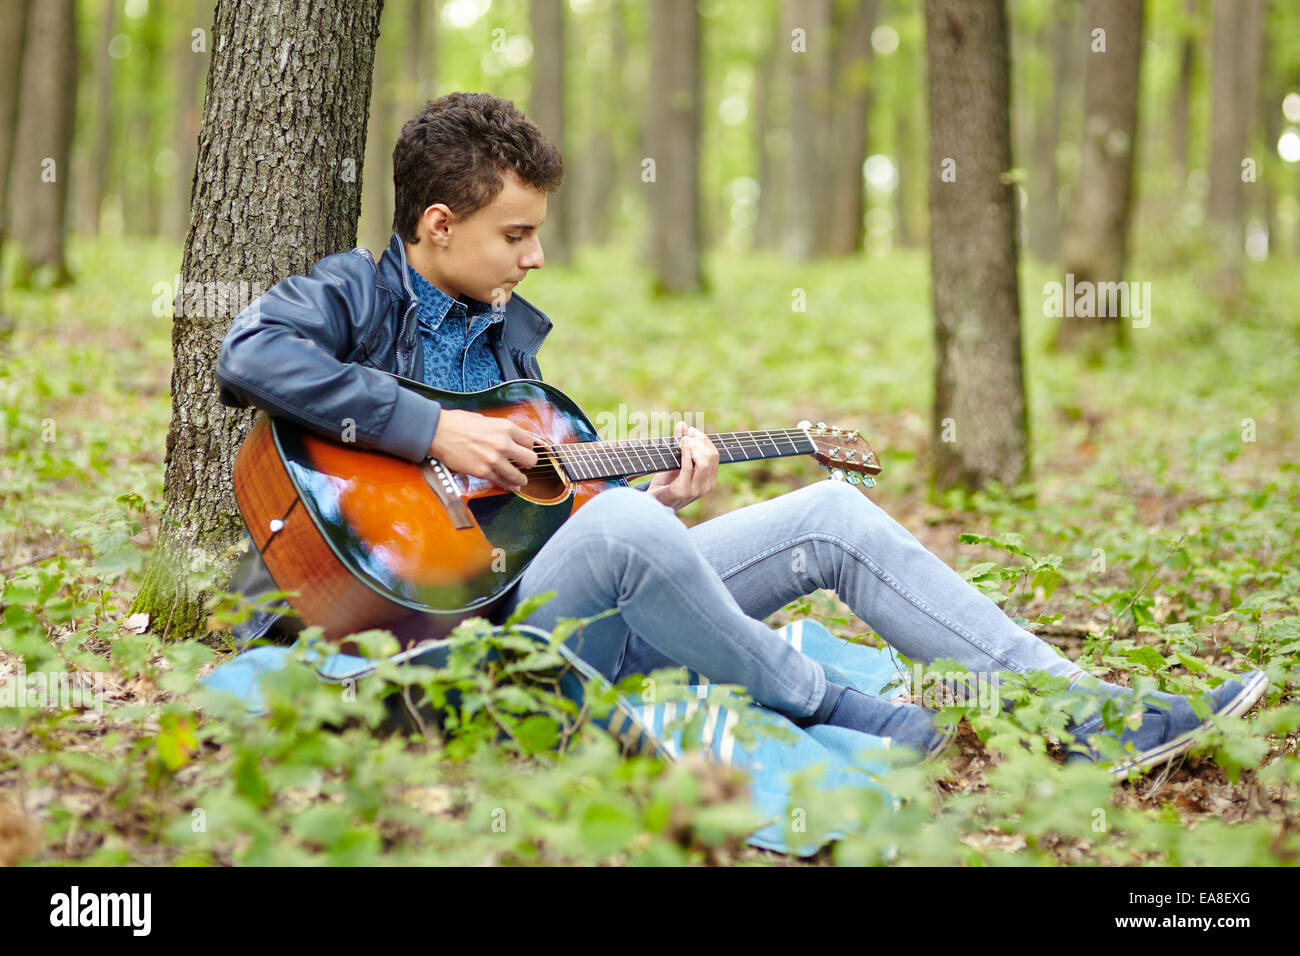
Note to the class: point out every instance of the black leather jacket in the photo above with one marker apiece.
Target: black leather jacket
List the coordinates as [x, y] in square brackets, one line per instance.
[305, 351]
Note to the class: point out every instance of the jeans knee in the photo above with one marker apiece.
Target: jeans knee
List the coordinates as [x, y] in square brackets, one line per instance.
[625, 514]
[836, 505]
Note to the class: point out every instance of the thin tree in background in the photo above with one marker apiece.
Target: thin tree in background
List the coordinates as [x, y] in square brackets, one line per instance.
[546, 109]
[266, 205]
[1233, 68]
[979, 406]
[1096, 240]
[909, 144]
[143, 187]
[97, 165]
[770, 136]
[842, 232]
[13, 32]
[1269, 121]
[672, 176]
[1044, 183]
[604, 153]
[190, 53]
[38, 178]
[811, 59]
[1180, 113]
[377, 202]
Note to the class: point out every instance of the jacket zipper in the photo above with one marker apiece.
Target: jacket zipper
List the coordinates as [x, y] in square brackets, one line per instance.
[401, 342]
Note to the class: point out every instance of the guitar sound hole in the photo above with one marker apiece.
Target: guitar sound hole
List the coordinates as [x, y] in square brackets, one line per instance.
[545, 482]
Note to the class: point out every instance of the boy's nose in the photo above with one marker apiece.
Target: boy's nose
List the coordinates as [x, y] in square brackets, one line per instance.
[535, 258]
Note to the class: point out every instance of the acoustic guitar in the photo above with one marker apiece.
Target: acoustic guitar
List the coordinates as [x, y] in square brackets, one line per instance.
[361, 539]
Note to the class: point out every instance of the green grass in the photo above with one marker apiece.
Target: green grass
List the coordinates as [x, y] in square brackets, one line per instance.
[1154, 545]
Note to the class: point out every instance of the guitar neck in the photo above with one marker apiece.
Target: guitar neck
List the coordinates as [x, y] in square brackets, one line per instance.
[584, 461]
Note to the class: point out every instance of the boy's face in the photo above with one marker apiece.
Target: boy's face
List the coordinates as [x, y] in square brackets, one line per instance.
[487, 253]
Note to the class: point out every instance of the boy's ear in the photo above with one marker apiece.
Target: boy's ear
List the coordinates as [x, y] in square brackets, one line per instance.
[434, 222]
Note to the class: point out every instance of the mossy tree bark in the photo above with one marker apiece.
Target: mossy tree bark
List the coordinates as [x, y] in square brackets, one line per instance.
[979, 406]
[277, 186]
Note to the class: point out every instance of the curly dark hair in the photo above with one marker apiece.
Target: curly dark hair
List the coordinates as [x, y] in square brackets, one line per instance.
[456, 148]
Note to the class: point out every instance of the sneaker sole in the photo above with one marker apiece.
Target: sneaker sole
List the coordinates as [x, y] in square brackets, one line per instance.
[942, 747]
[1246, 698]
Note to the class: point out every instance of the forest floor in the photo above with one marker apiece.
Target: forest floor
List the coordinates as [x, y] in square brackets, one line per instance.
[1157, 540]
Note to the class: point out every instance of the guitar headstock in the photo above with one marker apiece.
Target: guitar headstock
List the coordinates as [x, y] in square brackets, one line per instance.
[843, 452]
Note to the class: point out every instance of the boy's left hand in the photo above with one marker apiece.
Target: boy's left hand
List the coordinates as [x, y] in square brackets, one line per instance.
[697, 476]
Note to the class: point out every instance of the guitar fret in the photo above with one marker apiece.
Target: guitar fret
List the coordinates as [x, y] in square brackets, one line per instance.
[607, 460]
[643, 459]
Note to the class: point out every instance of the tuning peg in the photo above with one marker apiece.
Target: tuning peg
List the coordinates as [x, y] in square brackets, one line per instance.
[853, 478]
[804, 424]
[821, 425]
[835, 451]
[852, 453]
[868, 481]
[835, 430]
[837, 474]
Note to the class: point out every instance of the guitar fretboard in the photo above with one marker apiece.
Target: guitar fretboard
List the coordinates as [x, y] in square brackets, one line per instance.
[584, 461]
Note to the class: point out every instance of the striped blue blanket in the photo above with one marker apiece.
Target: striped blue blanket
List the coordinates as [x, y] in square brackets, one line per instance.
[769, 761]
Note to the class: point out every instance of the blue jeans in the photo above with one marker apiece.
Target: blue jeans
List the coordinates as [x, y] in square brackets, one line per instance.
[697, 597]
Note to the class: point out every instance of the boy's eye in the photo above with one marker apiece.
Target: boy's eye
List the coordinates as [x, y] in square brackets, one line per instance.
[514, 238]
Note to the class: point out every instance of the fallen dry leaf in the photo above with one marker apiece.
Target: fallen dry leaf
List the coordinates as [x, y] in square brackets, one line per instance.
[136, 623]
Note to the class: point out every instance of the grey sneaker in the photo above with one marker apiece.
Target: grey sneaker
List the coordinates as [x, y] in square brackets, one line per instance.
[1166, 733]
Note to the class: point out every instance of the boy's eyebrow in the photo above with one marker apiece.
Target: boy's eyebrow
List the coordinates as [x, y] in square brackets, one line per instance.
[520, 225]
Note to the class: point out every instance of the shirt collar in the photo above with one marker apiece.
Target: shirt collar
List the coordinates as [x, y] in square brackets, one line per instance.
[435, 305]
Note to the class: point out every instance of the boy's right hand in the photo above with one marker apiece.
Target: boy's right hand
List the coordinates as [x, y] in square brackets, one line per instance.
[484, 447]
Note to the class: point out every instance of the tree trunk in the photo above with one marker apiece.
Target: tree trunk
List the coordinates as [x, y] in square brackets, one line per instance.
[99, 164]
[810, 122]
[1252, 15]
[910, 158]
[673, 137]
[383, 126]
[1096, 244]
[546, 109]
[38, 186]
[603, 156]
[1269, 120]
[13, 34]
[1231, 80]
[1044, 178]
[979, 408]
[142, 210]
[769, 92]
[190, 66]
[1180, 114]
[283, 133]
[843, 226]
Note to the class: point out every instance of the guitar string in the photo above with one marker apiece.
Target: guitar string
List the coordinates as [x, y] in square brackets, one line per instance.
[738, 440]
[621, 456]
[568, 452]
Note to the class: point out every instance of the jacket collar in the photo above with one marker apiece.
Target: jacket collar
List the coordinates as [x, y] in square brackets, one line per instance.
[524, 327]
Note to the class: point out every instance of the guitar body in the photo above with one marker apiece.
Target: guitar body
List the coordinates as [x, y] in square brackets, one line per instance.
[368, 540]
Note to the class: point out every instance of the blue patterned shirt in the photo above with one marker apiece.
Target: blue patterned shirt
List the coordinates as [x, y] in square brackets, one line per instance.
[457, 357]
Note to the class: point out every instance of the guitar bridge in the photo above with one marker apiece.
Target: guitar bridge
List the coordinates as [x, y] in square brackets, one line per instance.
[444, 485]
